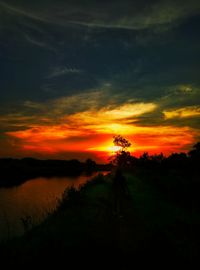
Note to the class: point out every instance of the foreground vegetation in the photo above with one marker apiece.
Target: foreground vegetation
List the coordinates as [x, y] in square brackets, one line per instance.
[146, 212]
[152, 226]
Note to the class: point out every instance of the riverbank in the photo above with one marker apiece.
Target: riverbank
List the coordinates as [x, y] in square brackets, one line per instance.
[149, 229]
[33, 200]
[14, 172]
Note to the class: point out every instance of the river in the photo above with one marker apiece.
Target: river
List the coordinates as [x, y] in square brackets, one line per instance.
[32, 201]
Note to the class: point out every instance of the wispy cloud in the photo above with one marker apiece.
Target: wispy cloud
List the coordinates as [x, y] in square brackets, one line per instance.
[21, 11]
[187, 112]
[60, 71]
[179, 96]
[32, 40]
[112, 119]
[133, 16]
[125, 15]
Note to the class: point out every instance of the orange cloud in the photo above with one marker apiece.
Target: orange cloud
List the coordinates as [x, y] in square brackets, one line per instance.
[38, 133]
[190, 111]
[158, 139]
[91, 131]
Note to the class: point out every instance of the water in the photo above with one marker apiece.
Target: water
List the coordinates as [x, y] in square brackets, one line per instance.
[32, 201]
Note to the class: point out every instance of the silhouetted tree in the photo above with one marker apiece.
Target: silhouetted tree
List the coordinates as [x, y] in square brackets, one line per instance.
[195, 152]
[145, 156]
[122, 157]
[158, 158]
[123, 143]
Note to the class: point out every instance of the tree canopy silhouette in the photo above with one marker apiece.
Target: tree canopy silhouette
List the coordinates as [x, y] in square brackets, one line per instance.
[120, 141]
[195, 152]
[122, 157]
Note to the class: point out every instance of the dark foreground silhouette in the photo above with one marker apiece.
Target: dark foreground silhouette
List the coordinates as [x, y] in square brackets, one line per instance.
[14, 172]
[120, 194]
[145, 214]
[149, 229]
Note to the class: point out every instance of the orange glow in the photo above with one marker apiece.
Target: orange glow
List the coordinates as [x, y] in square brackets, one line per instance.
[114, 149]
[106, 147]
[91, 132]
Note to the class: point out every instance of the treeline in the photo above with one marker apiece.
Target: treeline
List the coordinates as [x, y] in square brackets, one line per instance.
[177, 177]
[14, 172]
[192, 158]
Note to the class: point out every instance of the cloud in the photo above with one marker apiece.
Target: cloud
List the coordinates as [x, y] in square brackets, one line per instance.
[129, 110]
[34, 41]
[20, 11]
[116, 70]
[133, 71]
[60, 71]
[53, 111]
[16, 121]
[39, 133]
[94, 99]
[112, 119]
[158, 16]
[128, 15]
[186, 89]
[187, 112]
[89, 120]
[92, 128]
[156, 139]
[175, 97]
[111, 14]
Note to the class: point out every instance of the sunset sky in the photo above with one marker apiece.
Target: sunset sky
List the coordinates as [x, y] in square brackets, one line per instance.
[76, 73]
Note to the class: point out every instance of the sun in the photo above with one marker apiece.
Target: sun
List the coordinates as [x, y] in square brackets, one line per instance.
[106, 148]
[114, 148]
